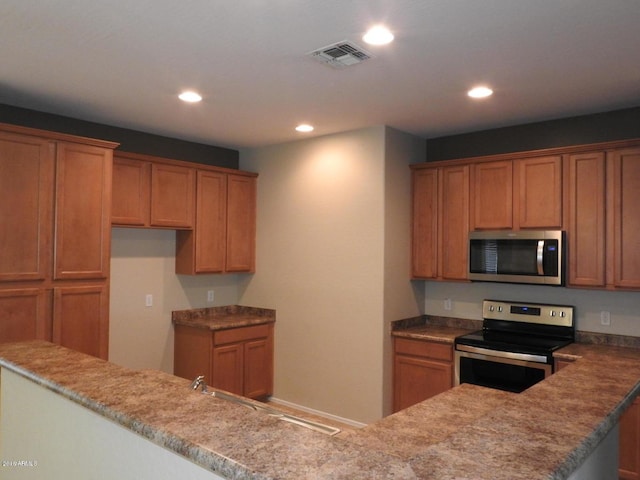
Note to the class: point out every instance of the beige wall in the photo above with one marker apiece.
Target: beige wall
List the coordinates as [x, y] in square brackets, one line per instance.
[322, 218]
[142, 262]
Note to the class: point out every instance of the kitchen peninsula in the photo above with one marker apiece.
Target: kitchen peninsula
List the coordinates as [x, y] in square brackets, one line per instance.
[548, 431]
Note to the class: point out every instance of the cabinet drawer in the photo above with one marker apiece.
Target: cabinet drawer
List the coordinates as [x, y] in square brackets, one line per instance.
[240, 334]
[424, 348]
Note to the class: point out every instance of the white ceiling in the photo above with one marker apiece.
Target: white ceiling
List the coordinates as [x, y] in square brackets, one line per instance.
[122, 63]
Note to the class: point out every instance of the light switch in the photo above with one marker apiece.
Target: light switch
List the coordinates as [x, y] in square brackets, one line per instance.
[148, 300]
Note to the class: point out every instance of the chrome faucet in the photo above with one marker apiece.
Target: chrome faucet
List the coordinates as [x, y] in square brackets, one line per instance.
[199, 382]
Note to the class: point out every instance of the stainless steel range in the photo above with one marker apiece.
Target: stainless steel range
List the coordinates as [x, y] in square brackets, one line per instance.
[514, 349]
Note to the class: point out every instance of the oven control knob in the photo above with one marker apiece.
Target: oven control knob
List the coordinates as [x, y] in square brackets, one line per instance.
[499, 309]
[563, 314]
[553, 313]
[491, 308]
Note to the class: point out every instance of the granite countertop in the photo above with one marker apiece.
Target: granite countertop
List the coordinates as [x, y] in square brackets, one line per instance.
[222, 318]
[435, 329]
[467, 432]
[227, 438]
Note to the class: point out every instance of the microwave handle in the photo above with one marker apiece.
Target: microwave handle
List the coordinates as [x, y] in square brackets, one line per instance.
[539, 257]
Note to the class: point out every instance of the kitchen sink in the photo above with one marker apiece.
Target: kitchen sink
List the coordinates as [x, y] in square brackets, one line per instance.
[272, 412]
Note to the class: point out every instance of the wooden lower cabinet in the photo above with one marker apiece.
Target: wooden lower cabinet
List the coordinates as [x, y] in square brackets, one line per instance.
[24, 314]
[629, 437]
[238, 360]
[629, 461]
[421, 369]
[81, 318]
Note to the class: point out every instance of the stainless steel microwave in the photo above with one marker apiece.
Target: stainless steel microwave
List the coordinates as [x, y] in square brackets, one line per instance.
[524, 256]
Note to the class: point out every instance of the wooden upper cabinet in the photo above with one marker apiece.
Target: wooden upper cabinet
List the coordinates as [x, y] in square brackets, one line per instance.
[82, 211]
[586, 229]
[517, 194]
[172, 196]
[538, 192]
[131, 192]
[202, 250]
[440, 222]
[213, 210]
[152, 194]
[223, 239]
[241, 223]
[424, 233]
[625, 201]
[26, 203]
[492, 195]
[453, 222]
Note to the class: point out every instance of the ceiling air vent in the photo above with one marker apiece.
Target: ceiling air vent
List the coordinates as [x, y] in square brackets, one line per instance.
[341, 54]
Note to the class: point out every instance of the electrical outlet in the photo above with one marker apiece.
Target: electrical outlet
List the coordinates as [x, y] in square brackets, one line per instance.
[209, 295]
[447, 304]
[148, 300]
[605, 318]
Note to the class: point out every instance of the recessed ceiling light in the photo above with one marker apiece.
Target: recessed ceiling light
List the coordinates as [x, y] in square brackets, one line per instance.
[378, 35]
[480, 92]
[190, 96]
[304, 128]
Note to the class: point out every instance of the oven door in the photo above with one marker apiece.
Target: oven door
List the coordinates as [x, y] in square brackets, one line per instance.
[508, 371]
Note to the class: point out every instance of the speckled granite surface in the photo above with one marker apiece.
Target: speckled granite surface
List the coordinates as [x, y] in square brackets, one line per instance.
[435, 329]
[229, 439]
[221, 318]
[466, 433]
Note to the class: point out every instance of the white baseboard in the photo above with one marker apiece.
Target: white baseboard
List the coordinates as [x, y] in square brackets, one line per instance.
[319, 413]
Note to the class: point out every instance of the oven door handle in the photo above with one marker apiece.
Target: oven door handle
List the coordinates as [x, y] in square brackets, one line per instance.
[525, 357]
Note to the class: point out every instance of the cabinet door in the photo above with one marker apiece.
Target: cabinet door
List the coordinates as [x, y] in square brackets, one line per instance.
[192, 353]
[629, 460]
[172, 196]
[626, 220]
[538, 195]
[424, 233]
[492, 195]
[453, 222]
[416, 379]
[82, 212]
[258, 368]
[26, 205]
[131, 192]
[24, 315]
[227, 367]
[211, 230]
[81, 319]
[241, 223]
[586, 232]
